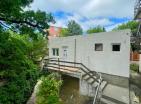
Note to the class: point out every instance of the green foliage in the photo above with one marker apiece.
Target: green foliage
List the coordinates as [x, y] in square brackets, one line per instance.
[13, 7]
[18, 52]
[96, 30]
[64, 32]
[39, 49]
[35, 49]
[16, 68]
[74, 28]
[133, 25]
[48, 90]
[35, 17]
[134, 67]
[26, 22]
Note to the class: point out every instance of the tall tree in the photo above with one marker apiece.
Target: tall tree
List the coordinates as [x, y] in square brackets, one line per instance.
[96, 30]
[74, 28]
[26, 22]
[133, 25]
[18, 72]
[64, 32]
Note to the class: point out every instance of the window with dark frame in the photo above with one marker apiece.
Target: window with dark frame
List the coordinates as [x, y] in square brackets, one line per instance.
[115, 47]
[55, 51]
[98, 47]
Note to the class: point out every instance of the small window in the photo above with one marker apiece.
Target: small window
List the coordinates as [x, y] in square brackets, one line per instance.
[99, 47]
[55, 51]
[116, 47]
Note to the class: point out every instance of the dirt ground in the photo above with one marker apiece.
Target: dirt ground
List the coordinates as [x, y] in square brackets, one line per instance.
[70, 92]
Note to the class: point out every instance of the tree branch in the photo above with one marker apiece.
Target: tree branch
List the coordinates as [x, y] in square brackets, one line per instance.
[21, 21]
[6, 26]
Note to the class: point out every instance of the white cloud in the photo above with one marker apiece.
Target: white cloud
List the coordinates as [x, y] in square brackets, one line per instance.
[91, 9]
[84, 24]
[88, 8]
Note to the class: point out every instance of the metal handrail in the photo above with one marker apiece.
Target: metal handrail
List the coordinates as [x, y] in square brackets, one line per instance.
[97, 90]
[56, 60]
[75, 63]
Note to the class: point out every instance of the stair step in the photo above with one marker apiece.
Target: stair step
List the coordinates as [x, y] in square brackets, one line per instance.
[90, 80]
[86, 77]
[105, 101]
[95, 84]
[103, 85]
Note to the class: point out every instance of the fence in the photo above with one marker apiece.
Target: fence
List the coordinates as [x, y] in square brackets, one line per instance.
[134, 56]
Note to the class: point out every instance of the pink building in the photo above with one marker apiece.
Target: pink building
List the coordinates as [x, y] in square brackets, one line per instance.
[54, 31]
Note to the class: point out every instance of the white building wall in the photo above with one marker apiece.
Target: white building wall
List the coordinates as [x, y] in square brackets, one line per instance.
[60, 43]
[106, 61]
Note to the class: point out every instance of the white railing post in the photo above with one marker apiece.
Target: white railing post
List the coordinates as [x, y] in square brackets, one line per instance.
[140, 64]
[97, 90]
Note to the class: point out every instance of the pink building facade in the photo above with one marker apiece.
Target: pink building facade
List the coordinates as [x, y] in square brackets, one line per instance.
[54, 32]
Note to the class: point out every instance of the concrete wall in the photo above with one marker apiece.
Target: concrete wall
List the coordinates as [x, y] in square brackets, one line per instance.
[116, 80]
[60, 43]
[86, 89]
[106, 61]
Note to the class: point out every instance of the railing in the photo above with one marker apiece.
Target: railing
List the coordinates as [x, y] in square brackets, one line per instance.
[95, 75]
[97, 90]
[82, 67]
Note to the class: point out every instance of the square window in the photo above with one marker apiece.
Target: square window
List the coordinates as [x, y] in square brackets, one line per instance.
[55, 51]
[116, 47]
[99, 47]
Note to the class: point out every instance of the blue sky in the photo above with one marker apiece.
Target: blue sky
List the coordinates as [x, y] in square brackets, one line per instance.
[88, 13]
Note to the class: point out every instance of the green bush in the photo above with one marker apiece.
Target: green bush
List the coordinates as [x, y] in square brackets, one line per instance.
[17, 69]
[48, 90]
[134, 67]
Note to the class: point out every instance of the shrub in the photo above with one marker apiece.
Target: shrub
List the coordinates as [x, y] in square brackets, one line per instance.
[134, 67]
[17, 69]
[48, 90]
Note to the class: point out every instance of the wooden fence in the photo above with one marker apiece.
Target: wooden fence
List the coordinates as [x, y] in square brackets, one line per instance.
[134, 56]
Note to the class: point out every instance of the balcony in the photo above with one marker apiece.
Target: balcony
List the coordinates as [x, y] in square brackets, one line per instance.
[137, 10]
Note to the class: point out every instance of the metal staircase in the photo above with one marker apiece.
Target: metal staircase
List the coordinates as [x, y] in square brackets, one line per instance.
[91, 77]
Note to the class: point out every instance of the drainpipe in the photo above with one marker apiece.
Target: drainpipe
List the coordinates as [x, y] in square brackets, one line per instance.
[74, 50]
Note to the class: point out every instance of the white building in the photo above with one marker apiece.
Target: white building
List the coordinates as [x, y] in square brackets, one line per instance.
[106, 52]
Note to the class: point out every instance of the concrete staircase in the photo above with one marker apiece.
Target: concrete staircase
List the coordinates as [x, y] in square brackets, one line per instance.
[96, 82]
[105, 93]
[92, 81]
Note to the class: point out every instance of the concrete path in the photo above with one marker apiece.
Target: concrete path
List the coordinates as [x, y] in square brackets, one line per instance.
[135, 87]
[113, 94]
[32, 99]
